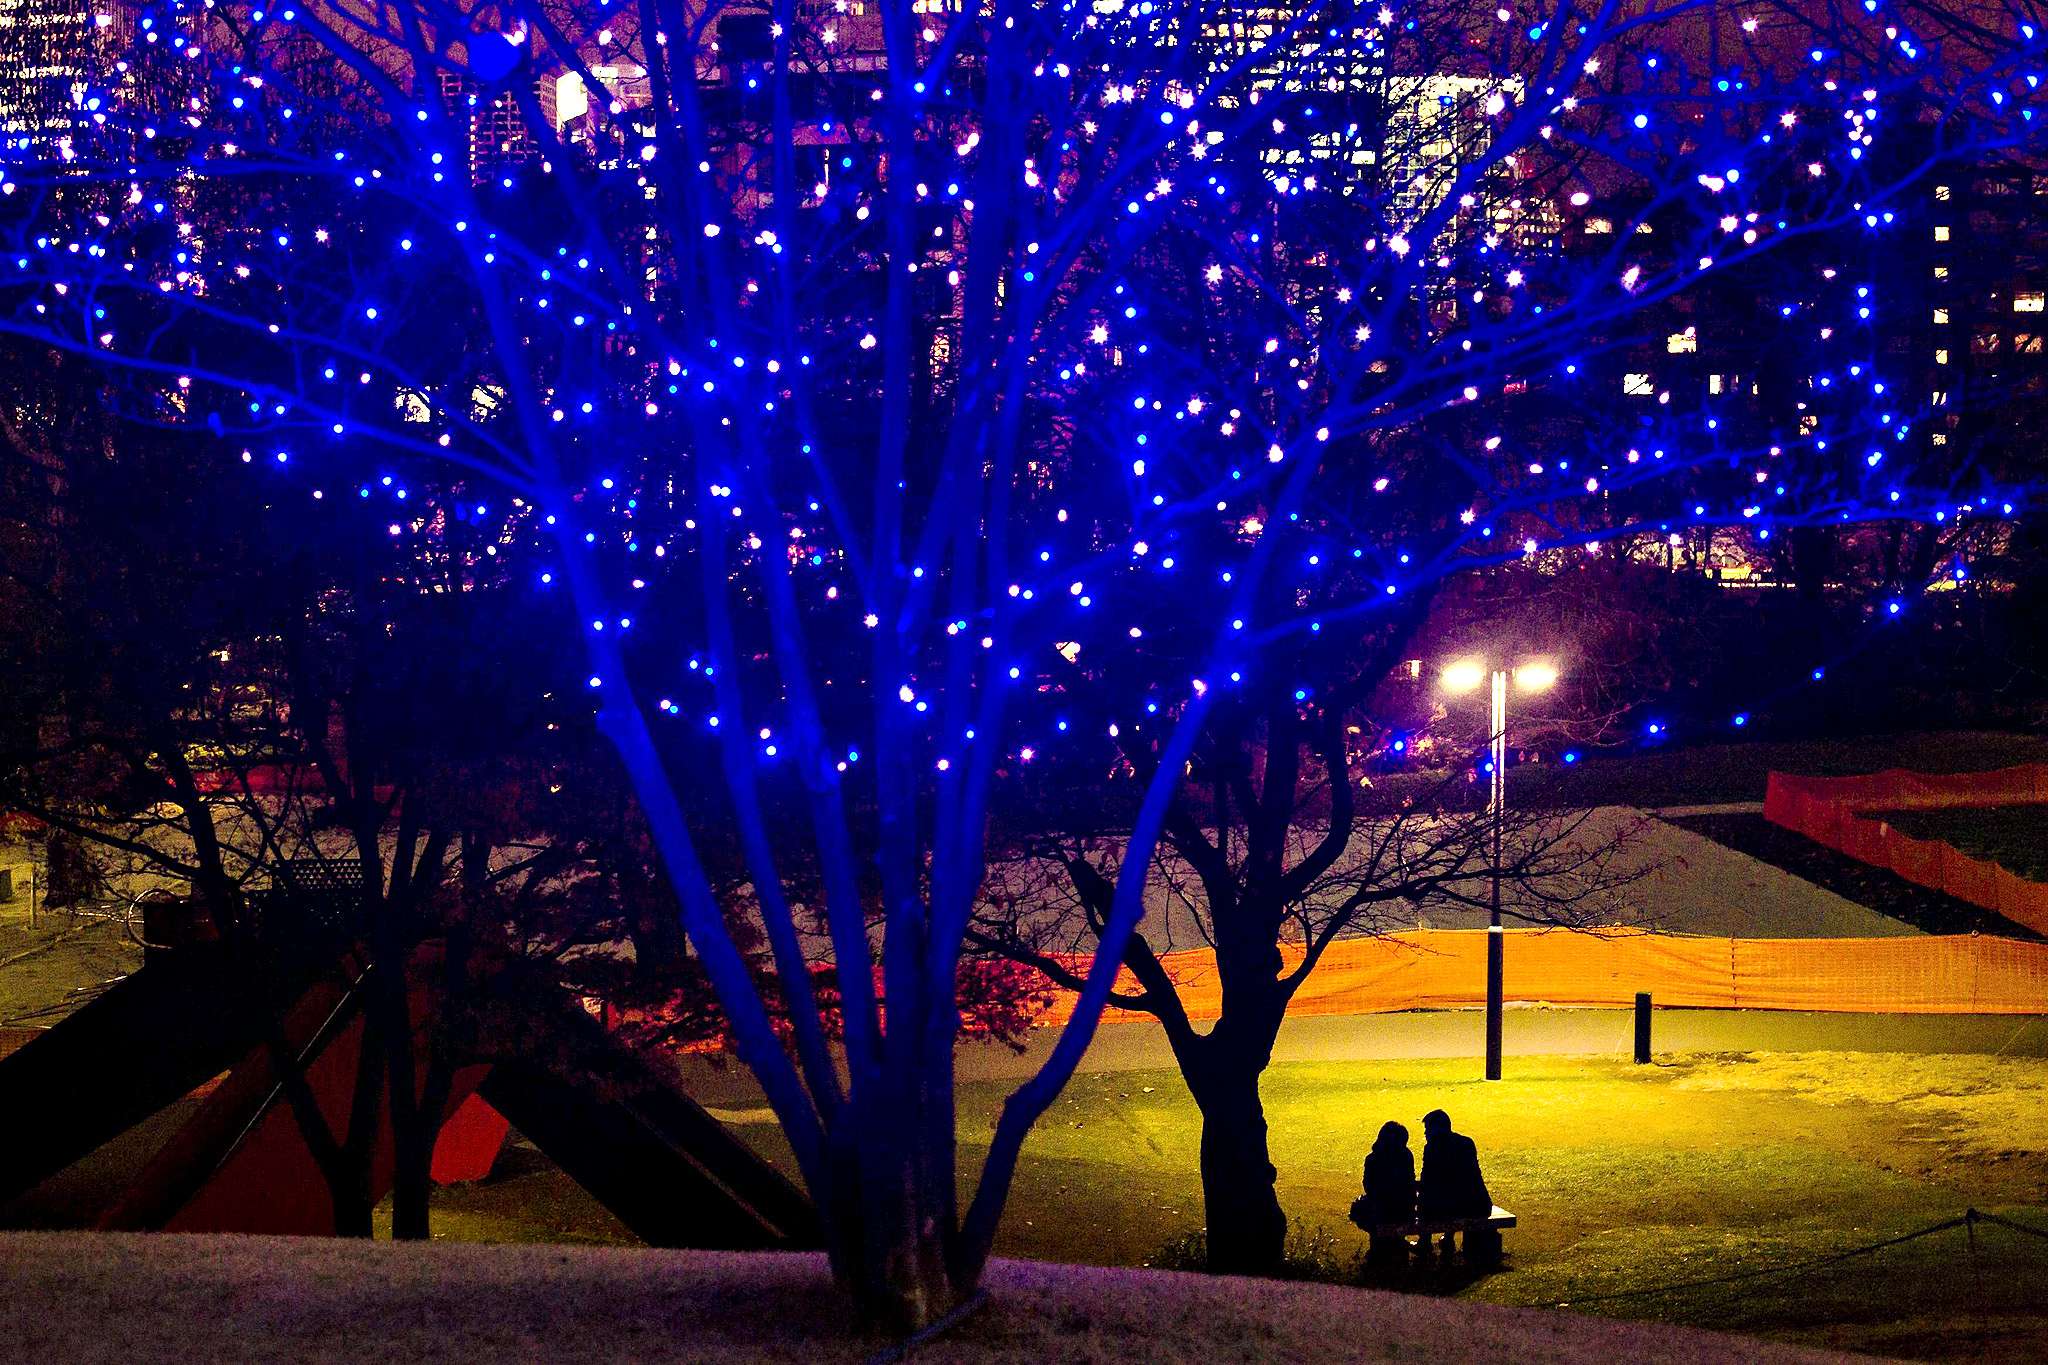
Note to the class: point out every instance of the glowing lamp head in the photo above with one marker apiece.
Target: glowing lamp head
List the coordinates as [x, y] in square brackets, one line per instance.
[1538, 676]
[1465, 675]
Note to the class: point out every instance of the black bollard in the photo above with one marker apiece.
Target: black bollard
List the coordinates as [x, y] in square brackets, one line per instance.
[1642, 1027]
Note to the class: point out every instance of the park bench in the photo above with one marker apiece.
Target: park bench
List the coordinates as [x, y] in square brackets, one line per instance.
[1425, 1228]
[1500, 1220]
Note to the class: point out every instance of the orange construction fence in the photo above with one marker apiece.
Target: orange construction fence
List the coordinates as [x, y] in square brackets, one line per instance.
[1829, 810]
[1439, 968]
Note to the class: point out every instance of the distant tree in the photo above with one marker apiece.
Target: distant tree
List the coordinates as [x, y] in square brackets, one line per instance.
[72, 874]
[232, 715]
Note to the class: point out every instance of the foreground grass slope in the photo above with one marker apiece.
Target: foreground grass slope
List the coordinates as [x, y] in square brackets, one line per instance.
[86, 1298]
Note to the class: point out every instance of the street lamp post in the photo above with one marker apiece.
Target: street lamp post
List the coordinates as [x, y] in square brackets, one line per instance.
[1496, 805]
[1465, 676]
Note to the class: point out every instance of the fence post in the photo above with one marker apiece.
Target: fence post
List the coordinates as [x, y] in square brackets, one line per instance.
[1642, 1027]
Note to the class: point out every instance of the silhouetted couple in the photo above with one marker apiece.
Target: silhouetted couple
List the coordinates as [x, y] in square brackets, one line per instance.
[1451, 1188]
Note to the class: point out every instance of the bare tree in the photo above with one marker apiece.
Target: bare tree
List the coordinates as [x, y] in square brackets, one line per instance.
[294, 757]
[1265, 862]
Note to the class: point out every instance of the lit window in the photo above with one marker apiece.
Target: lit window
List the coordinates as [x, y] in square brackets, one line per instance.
[1682, 343]
[1941, 193]
[1599, 227]
[1714, 383]
[1939, 438]
[2029, 301]
[1941, 232]
[1941, 272]
[1941, 317]
[1637, 385]
[1941, 356]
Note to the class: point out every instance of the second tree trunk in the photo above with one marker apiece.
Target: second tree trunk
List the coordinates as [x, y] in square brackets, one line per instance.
[1247, 1231]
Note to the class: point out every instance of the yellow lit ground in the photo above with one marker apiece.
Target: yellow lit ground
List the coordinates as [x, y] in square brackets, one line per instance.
[1630, 1177]
[1625, 1179]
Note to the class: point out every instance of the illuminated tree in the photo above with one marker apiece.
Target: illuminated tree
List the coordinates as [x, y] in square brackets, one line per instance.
[844, 367]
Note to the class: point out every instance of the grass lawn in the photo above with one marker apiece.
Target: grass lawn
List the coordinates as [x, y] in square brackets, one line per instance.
[47, 969]
[1626, 1179]
[2015, 837]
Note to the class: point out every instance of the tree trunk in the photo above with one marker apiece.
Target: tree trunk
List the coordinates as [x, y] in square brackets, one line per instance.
[890, 1220]
[414, 1135]
[1247, 1231]
[416, 1121]
[411, 1186]
[352, 1207]
[348, 1182]
[1813, 560]
[901, 1281]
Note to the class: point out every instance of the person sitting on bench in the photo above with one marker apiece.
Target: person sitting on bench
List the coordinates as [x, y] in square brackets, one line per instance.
[1452, 1188]
[1389, 1197]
